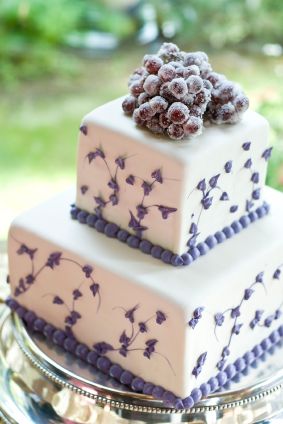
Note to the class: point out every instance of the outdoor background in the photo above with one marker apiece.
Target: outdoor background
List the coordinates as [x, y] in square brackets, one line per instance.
[61, 58]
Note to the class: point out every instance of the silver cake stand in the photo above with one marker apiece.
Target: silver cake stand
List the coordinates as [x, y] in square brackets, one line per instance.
[40, 383]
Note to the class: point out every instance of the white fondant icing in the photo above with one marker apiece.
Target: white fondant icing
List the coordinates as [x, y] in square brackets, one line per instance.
[183, 165]
[127, 278]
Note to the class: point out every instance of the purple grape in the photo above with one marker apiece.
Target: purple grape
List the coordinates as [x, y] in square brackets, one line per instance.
[178, 88]
[215, 79]
[145, 111]
[136, 88]
[129, 104]
[226, 113]
[202, 97]
[158, 104]
[178, 113]
[143, 97]
[193, 126]
[166, 93]
[175, 132]
[226, 91]
[195, 84]
[169, 52]
[154, 126]
[188, 100]
[164, 122]
[207, 85]
[137, 118]
[195, 111]
[152, 63]
[151, 85]
[241, 103]
[167, 72]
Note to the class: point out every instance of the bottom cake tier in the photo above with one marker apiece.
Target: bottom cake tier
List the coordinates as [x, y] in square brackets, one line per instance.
[174, 333]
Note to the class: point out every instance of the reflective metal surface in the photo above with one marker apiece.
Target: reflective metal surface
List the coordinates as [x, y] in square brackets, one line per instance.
[40, 383]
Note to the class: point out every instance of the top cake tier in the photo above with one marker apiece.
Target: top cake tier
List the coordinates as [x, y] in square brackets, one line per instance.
[176, 195]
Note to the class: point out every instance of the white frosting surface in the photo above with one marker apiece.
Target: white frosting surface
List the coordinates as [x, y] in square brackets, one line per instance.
[128, 277]
[182, 165]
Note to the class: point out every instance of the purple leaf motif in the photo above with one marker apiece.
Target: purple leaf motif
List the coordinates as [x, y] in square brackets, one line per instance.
[72, 318]
[124, 339]
[157, 176]
[224, 196]
[248, 294]
[147, 188]
[259, 277]
[23, 249]
[100, 202]
[100, 153]
[134, 223]
[130, 314]
[77, 294]
[248, 164]
[83, 129]
[193, 322]
[30, 279]
[198, 312]
[113, 199]
[202, 185]
[255, 177]
[256, 194]
[120, 162]
[277, 274]
[225, 352]
[87, 269]
[235, 313]
[57, 300]
[237, 328]
[213, 181]
[123, 351]
[160, 317]
[94, 288]
[207, 202]
[91, 156]
[102, 348]
[267, 153]
[268, 321]
[234, 208]
[143, 327]
[113, 184]
[141, 211]
[219, 319]
[166, 210]
[278, 314]
[201, 360]
[193, 228]
[228, 166]
[54, 260]
[130, 180]
[246, 146]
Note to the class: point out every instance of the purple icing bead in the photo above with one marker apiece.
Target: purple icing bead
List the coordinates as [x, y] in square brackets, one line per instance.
[156, 252]
[230, 371]
[220, 236]
[82, 217]
[261, 211]
[188, 402]
[21, 311]
[82, 351]
[126, 378]
[253, 216]
[103, 364]
[237, 227]
[265, 344]
[249, 357]
[228, 231]
[13, 305]
[187, 258]
[145, 246]
[137, 384]
[115, 371]
[205, 389]
[100, 225]
[91, 220]
[245, 221]
[203, 248]
[257, 351]
[48, 331]
[222, 378]
[133, 241]
[196, 395]
[177, 260]
[70, 344]
[29, 317]
[92, 357]
[274, 337]
[211, 241]
[194, 252]
[59, 337]
[280, 330]
[122, 235]
[168, 397]
[148, 388]
[39, 324]
[240, 364]
[74, 213]
[157, 392]
[166, 256]
[178, 404]
[111, 229]
[214, 384]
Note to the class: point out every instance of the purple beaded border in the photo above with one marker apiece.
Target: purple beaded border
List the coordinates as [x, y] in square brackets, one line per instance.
[114, 231]
[232, 372]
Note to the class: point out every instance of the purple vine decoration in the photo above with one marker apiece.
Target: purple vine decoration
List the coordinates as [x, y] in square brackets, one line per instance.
[142, 209]
[197, 315]
[199, 365]
[127, 340]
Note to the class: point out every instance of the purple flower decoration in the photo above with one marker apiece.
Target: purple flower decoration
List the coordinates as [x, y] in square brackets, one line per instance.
[246, 146]
[143, 327]
[141, 211]
[220, 364]
[224, 196]
[207, 202]
[219, 319]
[102, 348]
[198, 312]
[54, 260]
[84, 189]
[259, 277]
[57, 300]
[258, 314]
[237, 328]
[157, 176]
[113, 184]
[213, 181]
[267, 153]
[30, 279]
[130, 180]
[134, 223]
[120, 162]
[278, 314]
[166, 210]
[100, 153]
[228, 166]
[248, 293]
[193, 322]
[77, 294]
[201, 185]
[72, 318]
[200, 363]
[94, 288]
[255, 177]
[87, 269]
[91, 156]
[130, 314]
[150, 348]
[268, 321]
[277, 274]
[23, 249]
[124, 339]
[248, 164]
[100, 202]
[113, 199]
[193, 228]
[123, 351]
[225, 352]
[160, 317]
[235, 313]
[256, 194]
[147, 188]
[234, 208]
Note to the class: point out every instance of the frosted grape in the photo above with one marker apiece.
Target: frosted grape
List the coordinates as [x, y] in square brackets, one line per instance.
[145, 111]
[152, 63]
[143, 97]
[164, 121]
[178, 87]
[175, 132]
[193, 126]
[151, 85]
[129, 104]
[241, 103]
[136, 88]
[178, 113]
[154, 126]
[137, 118]
[158, 104]
[167, 72]
[194, 84]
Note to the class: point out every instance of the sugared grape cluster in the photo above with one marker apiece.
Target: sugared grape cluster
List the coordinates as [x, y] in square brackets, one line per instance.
[174, 92]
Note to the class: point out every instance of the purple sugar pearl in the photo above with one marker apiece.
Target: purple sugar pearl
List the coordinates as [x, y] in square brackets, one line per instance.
[196, 395]
[126, 378]
[92, 357]
[48, 331]
[205, 389]
[115, 371]
[266, 344]
[137, 384]
[237, 227]
[274, 336]
[253, 216]
[194, 252]
[249, 357]
[202, 248]
[103, 364]
[74, 213]
[39, 324]
[21, 311]
[228, 231]
[177, 260]
[211, 241]
[230, 371]
[145, 246]
[91, 220]
[245, 221]
[240, 364]
[100, 225]
[156, 252]
[82, 351]
[13, 305]
[29, 317]
[82, 217]
[188, 402]
[59, 337]
[70, 344]
[220, 236]
[111, 229]
[187, 258]
[133, 241]
[166, 256]
[122, 235]
[148, 388]
[157, 392]
[178, 404]
[222, 378]
[214, 384]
